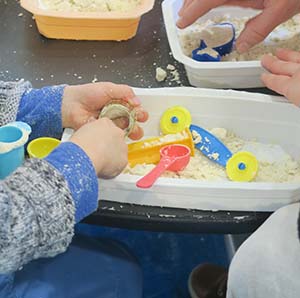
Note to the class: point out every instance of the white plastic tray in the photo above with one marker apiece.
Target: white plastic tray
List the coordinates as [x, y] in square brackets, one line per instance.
[247, 114]
[242, 74]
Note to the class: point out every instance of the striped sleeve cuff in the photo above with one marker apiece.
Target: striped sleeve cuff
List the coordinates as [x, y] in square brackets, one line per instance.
[10, 96]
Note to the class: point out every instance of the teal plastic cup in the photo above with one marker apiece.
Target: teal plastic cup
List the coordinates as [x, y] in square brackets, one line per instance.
[12, 141]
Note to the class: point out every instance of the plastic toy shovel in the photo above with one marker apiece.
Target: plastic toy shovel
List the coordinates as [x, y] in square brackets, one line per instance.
[241, 166]
[217, 40]
[210, 146]
[173, 158]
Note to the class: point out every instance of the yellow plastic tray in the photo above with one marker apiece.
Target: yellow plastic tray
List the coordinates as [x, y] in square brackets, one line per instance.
[87, 25]
[143, 152]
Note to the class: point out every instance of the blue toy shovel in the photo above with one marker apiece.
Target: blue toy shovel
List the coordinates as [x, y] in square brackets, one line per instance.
[217, 41]
[210, 146]
[241, 166]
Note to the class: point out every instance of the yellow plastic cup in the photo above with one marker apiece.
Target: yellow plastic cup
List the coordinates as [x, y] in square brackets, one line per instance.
[42, 147]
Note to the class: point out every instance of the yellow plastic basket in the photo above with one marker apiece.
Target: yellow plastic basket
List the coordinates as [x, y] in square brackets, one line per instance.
[87, 25]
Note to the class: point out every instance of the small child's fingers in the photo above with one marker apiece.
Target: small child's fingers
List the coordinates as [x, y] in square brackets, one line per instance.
[288, 55]
[137, 133]
[135, 101]
[277, 83]
[126, 93]
[276, 66]
[141, 115]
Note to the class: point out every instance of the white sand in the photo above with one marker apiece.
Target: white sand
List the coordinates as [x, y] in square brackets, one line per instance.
[287, 35]
[275, 165]
[92, 5]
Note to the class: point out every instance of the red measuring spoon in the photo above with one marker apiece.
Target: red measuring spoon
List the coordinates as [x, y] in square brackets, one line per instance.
[173, 158]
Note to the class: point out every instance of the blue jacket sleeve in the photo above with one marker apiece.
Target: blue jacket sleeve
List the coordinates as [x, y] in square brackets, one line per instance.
[41, 109]
[75, 166]
[38, 200]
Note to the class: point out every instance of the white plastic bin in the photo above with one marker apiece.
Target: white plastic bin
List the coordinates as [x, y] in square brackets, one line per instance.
[249, 115]
[241, 74]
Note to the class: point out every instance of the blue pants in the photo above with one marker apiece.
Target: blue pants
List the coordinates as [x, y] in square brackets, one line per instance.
[90, 268]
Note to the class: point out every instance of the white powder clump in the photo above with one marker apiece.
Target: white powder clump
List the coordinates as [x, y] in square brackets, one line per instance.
[172, 73]
[175, 75]
[214, 156]
[196, 137]
[285, 35]
[211, 52]
[161, 74]
[170, 67]
[197, 140]
[139, 169]
[219, 132]
[166, 139]
[92, 5]
[279, 169]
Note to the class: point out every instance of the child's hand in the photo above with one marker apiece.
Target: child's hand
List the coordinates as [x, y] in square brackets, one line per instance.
[284, 76]
[83, 103]
[105, 145]
[273, 13]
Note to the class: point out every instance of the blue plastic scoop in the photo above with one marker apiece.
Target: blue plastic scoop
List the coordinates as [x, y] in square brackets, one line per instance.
[210, 145]
[204, 53]
[241, 166]
[217, 40]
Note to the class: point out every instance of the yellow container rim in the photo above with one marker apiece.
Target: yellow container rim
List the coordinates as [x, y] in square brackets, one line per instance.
[42, 147]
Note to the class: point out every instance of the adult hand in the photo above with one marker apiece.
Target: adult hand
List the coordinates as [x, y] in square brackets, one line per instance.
[273, 13]
[284, 76]
[105, 145]
[82, 104]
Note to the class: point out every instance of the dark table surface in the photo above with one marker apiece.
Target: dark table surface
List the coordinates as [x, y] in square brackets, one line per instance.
[24, 53]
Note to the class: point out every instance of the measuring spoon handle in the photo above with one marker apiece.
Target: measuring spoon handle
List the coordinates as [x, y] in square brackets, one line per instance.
[148, 180]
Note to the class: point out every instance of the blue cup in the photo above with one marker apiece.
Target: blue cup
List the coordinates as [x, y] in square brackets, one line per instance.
[11, 149]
